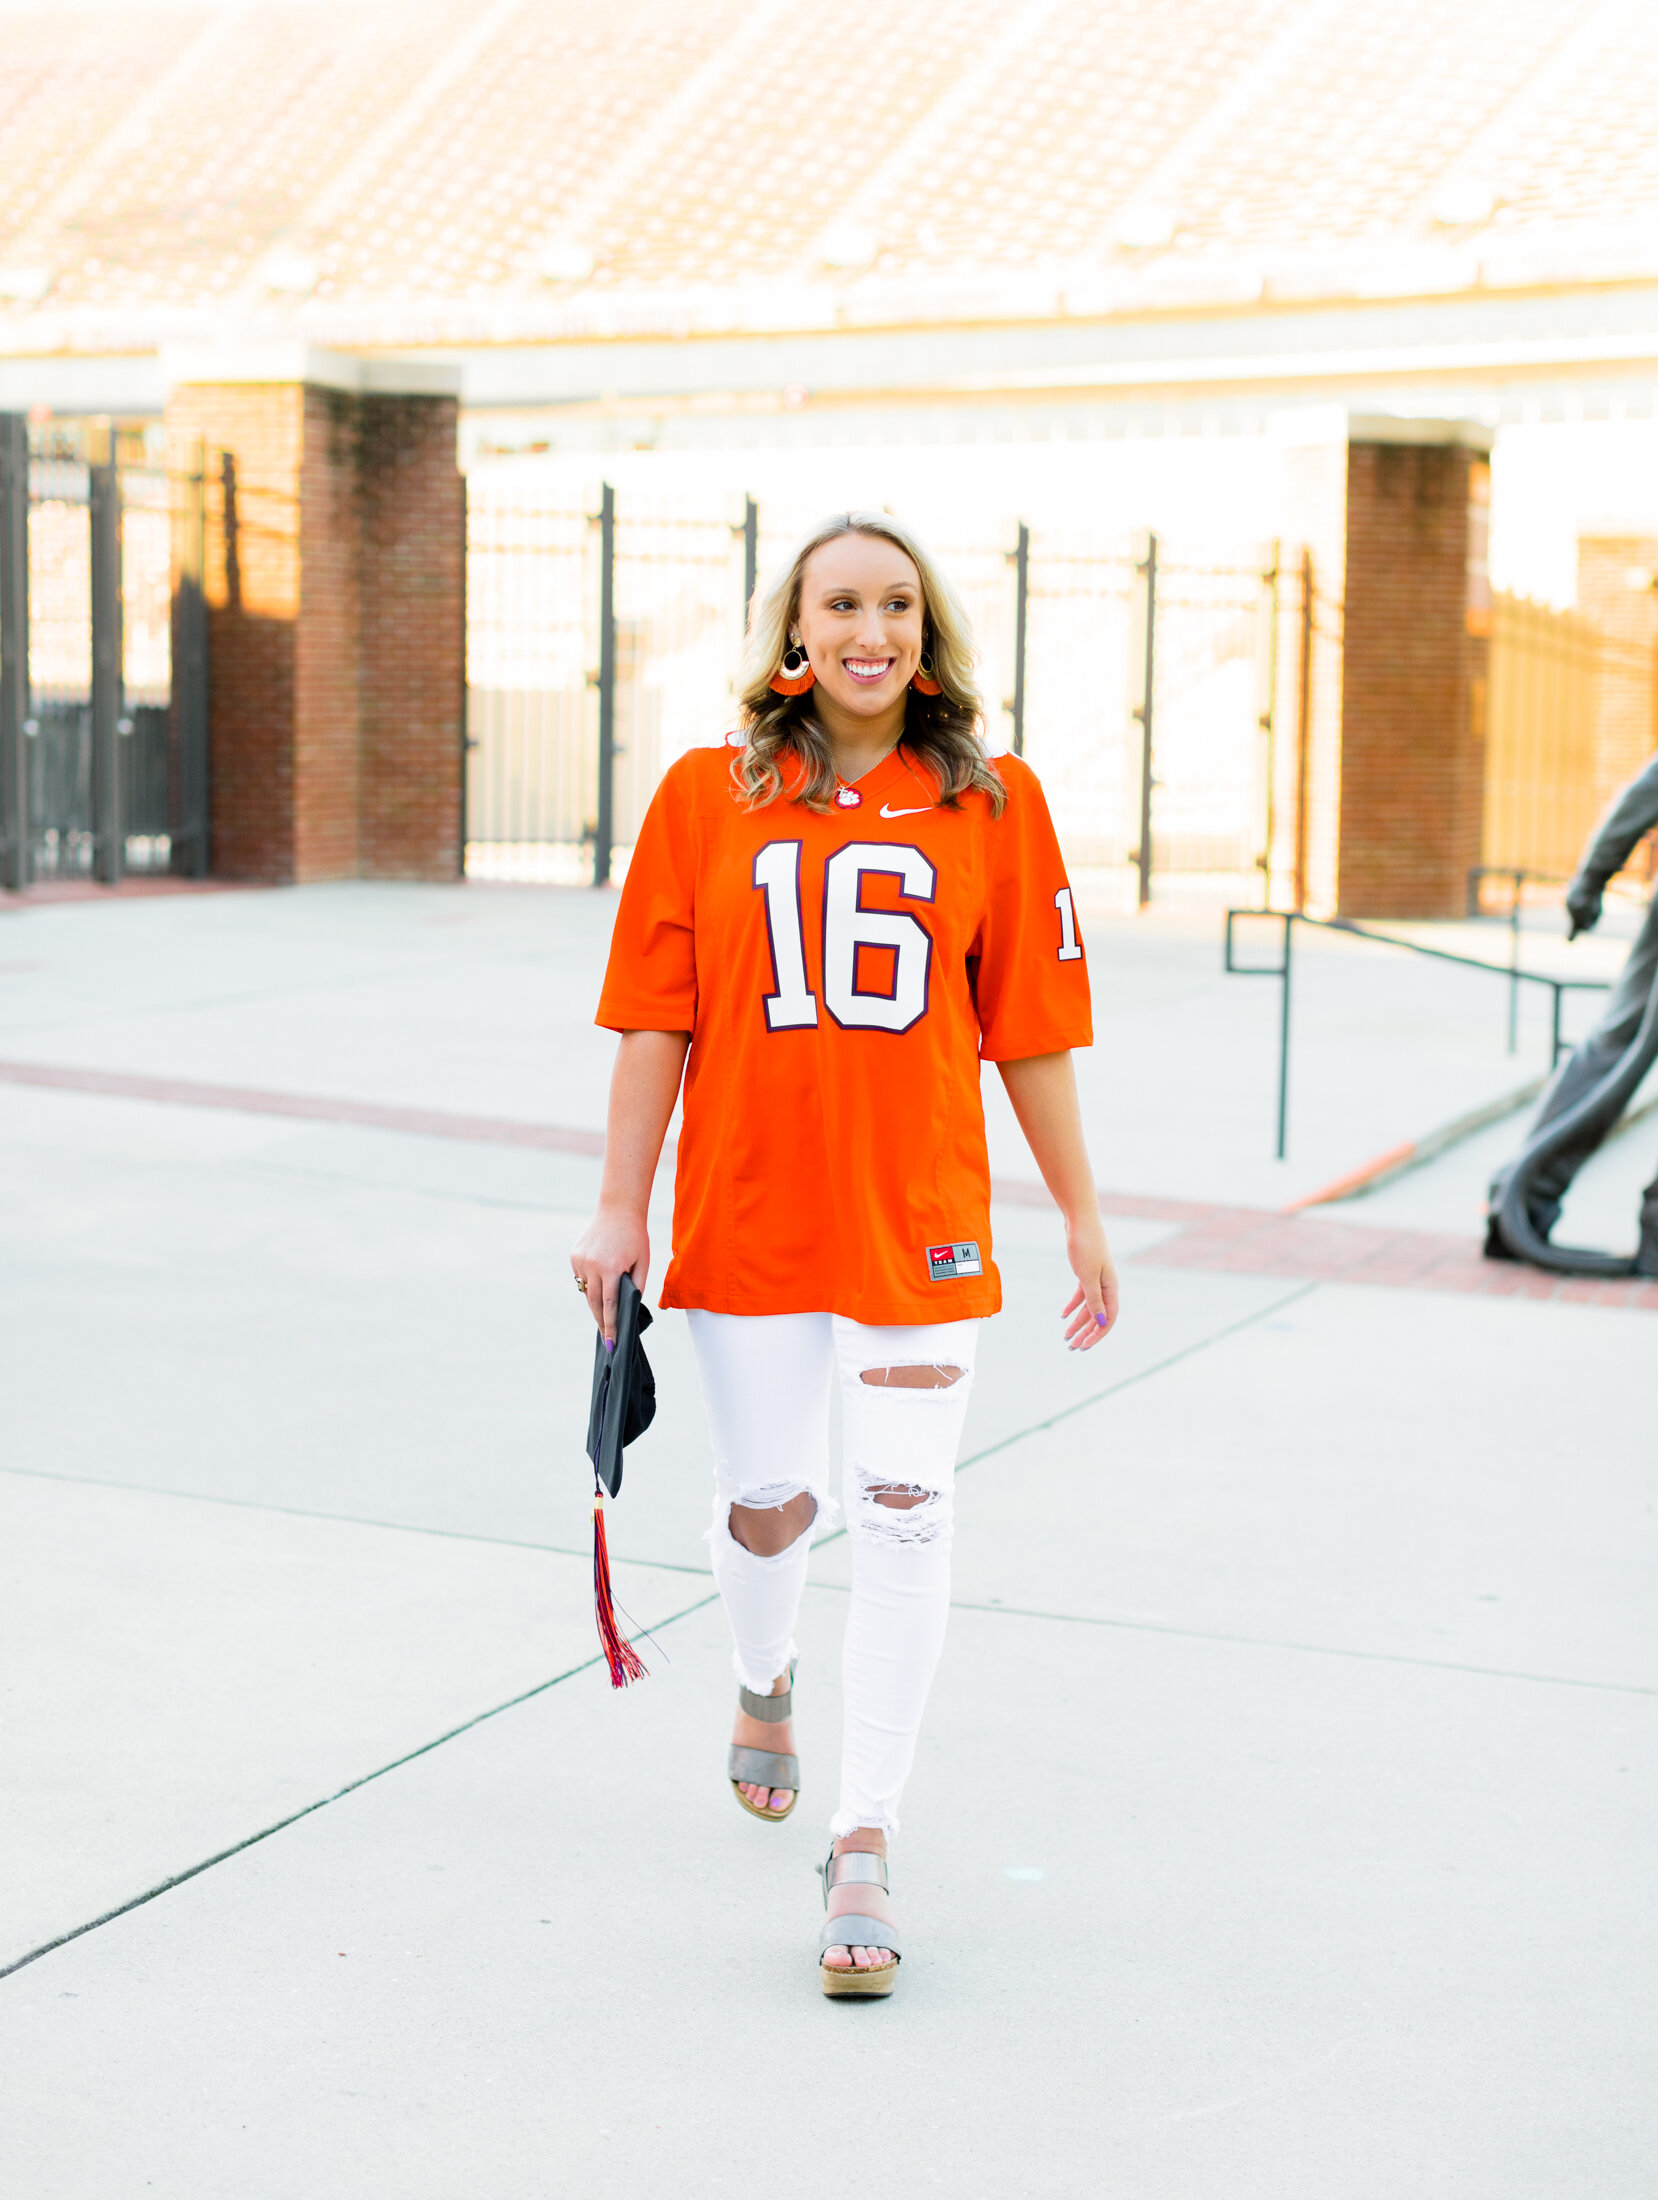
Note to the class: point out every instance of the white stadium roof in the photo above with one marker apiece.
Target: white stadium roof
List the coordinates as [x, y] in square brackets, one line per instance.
[568, 184]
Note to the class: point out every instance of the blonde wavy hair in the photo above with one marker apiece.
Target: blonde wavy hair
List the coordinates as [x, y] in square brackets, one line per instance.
[942, 731]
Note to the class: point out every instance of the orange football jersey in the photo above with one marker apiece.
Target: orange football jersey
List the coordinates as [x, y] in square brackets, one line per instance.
[841, 977]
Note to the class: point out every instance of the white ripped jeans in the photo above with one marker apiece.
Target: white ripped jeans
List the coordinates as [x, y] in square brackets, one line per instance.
[765, 1380]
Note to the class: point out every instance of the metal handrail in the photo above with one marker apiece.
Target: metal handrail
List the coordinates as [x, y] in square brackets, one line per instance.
[1517, 876]
[1290, 918]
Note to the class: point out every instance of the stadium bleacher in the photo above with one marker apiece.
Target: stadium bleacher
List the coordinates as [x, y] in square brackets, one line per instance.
[533, 119]
[64, 86]
[353, 170]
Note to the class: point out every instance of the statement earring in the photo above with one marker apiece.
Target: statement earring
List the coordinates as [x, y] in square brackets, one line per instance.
[926, 680]
[794, 675]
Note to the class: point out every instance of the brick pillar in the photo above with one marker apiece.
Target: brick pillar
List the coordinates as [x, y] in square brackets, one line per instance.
[1413, 685]
[1393, 746]
[253, 446]
[333, 578]
[413, 629]
[327, 723]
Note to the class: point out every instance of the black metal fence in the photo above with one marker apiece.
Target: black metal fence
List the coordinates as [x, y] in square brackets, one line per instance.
[603, 641]
[103, 661]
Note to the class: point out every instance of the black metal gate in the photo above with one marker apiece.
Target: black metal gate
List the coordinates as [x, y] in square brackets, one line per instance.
[103, 665]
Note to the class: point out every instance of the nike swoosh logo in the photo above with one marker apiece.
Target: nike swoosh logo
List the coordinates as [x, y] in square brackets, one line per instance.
[885, 812]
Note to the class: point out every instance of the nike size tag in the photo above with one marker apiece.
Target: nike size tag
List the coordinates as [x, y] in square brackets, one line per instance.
[946, 1262]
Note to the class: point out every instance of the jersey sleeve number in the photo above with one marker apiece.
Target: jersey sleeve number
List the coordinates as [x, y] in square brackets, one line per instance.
[847, 926]
[1070, 947]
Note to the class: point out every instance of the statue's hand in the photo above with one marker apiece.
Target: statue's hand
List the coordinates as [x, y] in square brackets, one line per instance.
[1583, 900]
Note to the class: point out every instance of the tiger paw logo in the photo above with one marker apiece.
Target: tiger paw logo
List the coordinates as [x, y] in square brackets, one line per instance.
[848, 798]
[946, 1262]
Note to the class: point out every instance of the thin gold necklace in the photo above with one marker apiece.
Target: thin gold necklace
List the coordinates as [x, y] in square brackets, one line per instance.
[847, 796]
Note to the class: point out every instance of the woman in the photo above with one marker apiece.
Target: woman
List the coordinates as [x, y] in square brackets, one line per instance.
[838, 913]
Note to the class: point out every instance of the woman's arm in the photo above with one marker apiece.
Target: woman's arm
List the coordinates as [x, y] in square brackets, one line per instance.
[643, 1088]
[1043, 1089]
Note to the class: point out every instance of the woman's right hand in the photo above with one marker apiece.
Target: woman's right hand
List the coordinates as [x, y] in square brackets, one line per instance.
[614, 1243]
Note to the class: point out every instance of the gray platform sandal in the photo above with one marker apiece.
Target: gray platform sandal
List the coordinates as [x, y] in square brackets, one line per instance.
[854, 1929]
[764, 1767]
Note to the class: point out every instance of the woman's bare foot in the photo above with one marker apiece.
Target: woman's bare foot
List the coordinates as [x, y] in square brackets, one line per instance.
[868, 1901]
[756, 1734]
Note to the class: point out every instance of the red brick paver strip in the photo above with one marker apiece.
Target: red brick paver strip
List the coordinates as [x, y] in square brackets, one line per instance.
[138, 888]
[1255, 1242]
[307, 1107]
[1250, 1241]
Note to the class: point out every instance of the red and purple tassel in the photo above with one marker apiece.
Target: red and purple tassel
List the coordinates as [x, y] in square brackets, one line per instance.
[623, 1660]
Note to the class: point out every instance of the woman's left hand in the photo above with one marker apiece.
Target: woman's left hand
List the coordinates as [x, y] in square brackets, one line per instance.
[1092, 1307]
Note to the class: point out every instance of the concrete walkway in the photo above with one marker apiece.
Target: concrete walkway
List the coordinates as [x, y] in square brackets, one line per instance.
[1283, 1822]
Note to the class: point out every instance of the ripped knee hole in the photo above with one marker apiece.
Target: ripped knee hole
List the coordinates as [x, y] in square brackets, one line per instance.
[912, 1375]
[768, 1529]
[900, 1512]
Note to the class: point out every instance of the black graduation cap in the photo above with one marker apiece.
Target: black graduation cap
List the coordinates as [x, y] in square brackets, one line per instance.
[623, 1406]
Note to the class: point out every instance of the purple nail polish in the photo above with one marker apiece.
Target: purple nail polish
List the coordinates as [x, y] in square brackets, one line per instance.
[1100, 1318]
[610, 1344]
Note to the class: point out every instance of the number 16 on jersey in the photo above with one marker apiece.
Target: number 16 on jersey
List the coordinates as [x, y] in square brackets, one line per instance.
[847, 926]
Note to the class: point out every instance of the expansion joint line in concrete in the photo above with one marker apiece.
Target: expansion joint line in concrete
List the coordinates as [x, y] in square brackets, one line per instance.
[560, 1550]
[194, 1871]
[345, 1520]
[1144, 1374]
[1111, 1390]
[177, 1879]
[1305, 1649]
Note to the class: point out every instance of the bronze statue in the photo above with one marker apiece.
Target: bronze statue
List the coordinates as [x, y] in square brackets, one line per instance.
[1592, 1087]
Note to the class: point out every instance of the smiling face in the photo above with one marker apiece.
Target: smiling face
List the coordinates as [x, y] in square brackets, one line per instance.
[862, 620]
